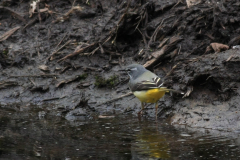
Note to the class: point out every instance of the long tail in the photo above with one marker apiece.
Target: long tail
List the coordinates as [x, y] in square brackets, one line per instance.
[171, 90]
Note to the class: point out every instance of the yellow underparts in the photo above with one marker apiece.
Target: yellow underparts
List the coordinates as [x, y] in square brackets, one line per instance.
[150, 96]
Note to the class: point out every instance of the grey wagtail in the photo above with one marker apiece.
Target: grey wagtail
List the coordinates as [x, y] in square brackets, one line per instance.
[145, 85]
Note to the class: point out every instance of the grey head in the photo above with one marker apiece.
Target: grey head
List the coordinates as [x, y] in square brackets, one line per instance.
[135, 70]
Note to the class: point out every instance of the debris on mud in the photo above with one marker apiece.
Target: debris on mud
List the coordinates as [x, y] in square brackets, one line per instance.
[46, 52]
[103, 82]
[72, 79]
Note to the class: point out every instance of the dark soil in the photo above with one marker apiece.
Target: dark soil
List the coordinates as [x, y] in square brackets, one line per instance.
[67, 53]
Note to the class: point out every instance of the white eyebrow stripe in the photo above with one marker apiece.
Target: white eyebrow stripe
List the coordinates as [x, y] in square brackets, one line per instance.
[133, 69]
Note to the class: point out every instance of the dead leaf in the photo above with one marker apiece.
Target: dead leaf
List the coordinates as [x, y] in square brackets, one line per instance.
[218, 47]
[33, 7]
[43, 10]
[192, 2]
[8, 33]
[44, 68]
[189, 91]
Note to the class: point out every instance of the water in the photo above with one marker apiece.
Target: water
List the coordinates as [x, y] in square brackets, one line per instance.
[36, 134]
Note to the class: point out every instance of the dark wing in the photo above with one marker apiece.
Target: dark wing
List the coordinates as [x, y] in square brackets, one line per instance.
[145, 85]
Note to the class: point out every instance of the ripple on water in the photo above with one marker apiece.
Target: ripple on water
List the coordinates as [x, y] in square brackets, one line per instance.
[121, 137]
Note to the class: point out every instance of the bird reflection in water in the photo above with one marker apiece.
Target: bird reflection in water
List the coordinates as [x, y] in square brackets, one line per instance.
[151, 143]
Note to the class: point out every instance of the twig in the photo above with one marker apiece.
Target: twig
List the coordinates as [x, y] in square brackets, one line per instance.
[39, 13]
[40, 75]
[73, 3]
[94, 51]
[169, 73]
[32, 82]
[179, 49]
[180, 1]
[160, 54]
[116, 29]
[69, 41]
[111, 34]
[8, 33]
[30, 23]
[141, 18]
[14, 14]
[144, 38]
[66, 15]
[5, 84]
[76, 52]
[153, 37]
[61, 40]
[54, 98]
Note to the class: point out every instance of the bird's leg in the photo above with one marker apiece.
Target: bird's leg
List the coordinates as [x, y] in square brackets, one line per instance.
[156, 109]
[143, 105]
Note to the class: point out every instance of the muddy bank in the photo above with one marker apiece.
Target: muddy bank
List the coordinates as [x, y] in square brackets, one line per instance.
[214, 84]
[68, 55]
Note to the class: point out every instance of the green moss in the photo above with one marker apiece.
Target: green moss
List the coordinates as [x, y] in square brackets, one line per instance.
[82, 76]
[5, 52]
[102, 82]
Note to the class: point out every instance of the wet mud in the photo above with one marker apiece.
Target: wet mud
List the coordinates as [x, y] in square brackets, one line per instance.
[67, 54]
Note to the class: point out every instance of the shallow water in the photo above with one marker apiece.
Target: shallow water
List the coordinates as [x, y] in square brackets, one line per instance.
[36, 134]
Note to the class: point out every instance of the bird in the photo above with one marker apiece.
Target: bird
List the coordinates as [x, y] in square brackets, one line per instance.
[146, 85]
